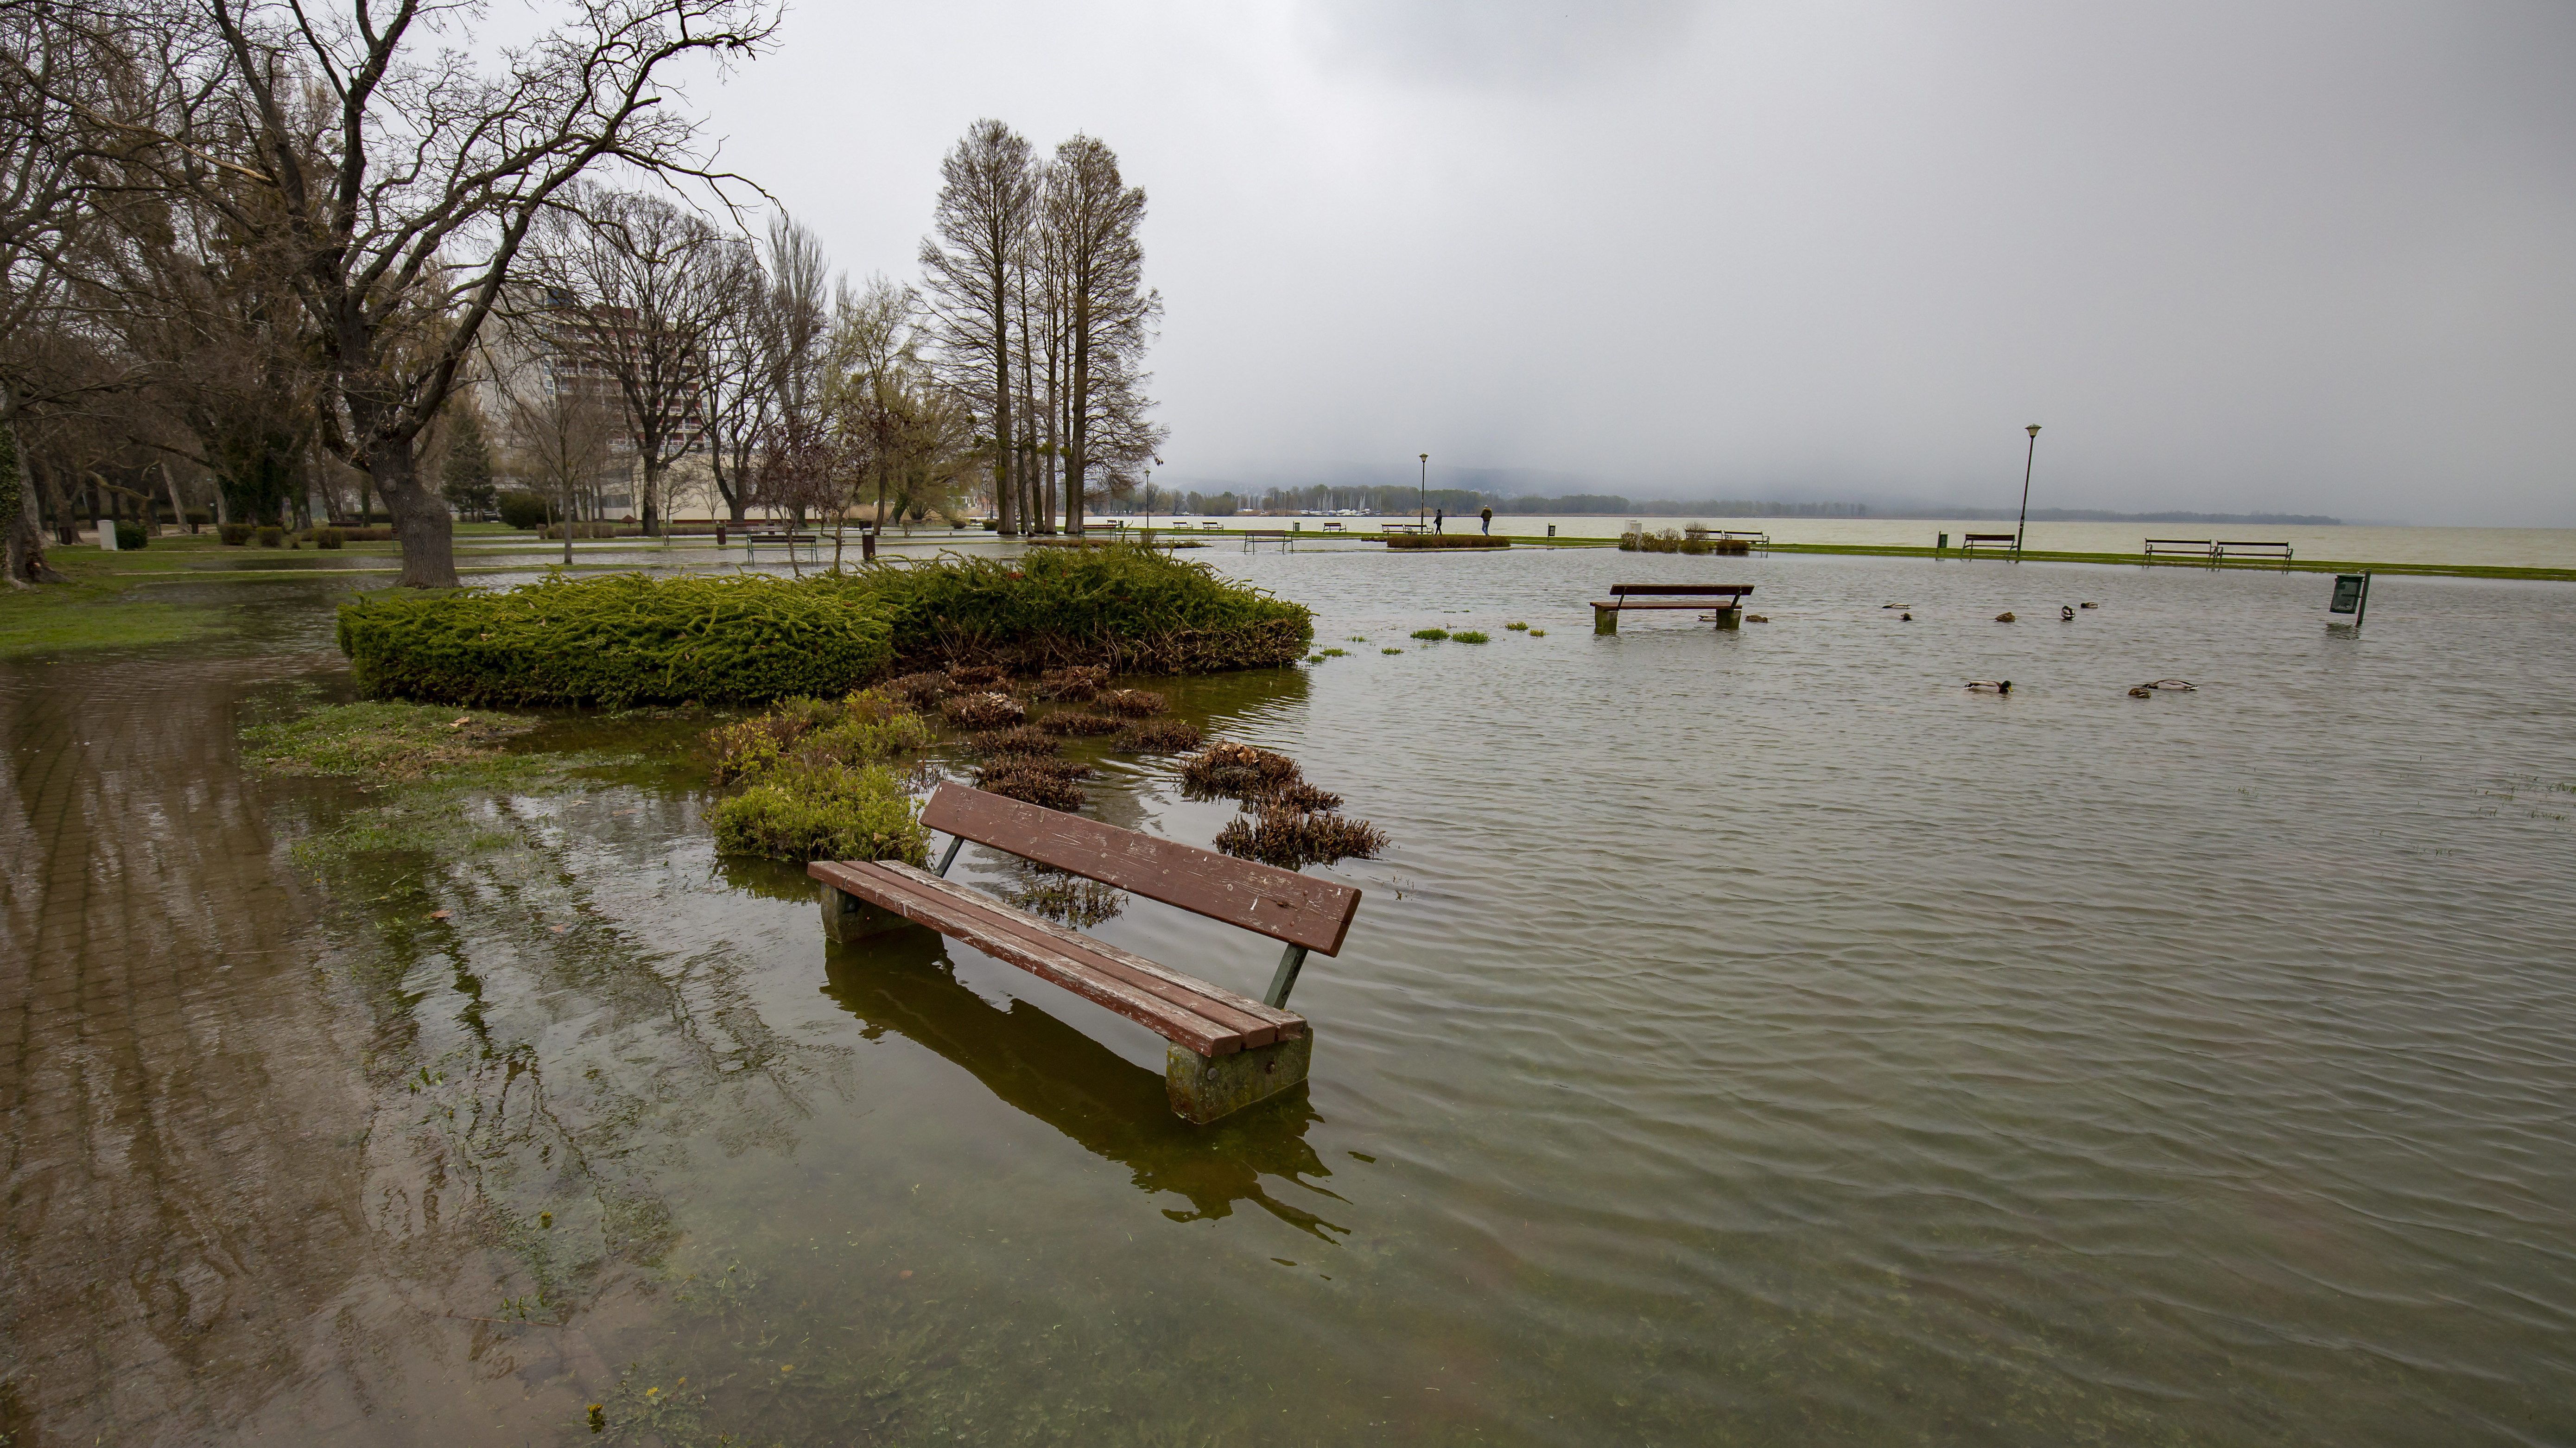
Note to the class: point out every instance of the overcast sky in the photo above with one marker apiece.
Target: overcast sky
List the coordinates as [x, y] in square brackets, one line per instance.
[2245, 256]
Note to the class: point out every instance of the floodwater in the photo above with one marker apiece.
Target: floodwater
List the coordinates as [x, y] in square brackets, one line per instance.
[1751, 1037]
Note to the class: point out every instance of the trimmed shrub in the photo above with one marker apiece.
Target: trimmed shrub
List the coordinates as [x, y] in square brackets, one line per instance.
[271, 536]
[823, 812]
[1132, 703]
[326, 537]
[1126, 608]
[131, 535]
[618, 640]
[1157, 736]
[1027, 741]
[1073, 684]
[523, 510]
[233, 535]
[922, 690]
[1238, 771]
[983, 711]
[1078, 721]
[1021, 780]
[1445, 540]
[1292, 839]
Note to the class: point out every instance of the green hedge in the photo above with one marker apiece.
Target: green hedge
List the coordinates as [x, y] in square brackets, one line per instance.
[1130, 608]
[749, 639]
[617, 640]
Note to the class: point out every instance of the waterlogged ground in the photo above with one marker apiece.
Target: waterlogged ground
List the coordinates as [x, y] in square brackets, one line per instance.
[1751, 1038]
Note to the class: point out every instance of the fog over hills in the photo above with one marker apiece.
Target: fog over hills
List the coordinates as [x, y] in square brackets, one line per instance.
[2289, 256]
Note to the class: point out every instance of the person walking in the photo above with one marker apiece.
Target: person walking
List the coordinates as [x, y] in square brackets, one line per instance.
[1488, 517]
[1439, 516]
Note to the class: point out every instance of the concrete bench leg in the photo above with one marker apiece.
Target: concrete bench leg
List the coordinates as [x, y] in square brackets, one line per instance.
[847, 918]
[1210, 1088]
[1730, 618]
[1605, 620]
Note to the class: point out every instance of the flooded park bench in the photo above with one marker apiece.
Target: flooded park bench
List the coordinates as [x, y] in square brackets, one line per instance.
[2223, 547]
[2182, 548]
[1991, 542]
[1227, 1051]
[1725, 601]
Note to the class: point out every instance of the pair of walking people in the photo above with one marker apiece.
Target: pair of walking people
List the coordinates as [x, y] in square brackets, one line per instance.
[1440, 516]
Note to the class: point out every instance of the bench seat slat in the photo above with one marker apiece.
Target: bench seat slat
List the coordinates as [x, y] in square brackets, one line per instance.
[991, 930]
[1631, 605]
[1287, 1024]
[1282, 904]
[1697, 589]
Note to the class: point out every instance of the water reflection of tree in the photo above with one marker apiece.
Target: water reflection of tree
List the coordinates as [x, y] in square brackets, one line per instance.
[581, 1057]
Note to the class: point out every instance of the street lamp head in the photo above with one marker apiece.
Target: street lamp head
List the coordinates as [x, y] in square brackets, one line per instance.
[2033, 429]
[1426, 457]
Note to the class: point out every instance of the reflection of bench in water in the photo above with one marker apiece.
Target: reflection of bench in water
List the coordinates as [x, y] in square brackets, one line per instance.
[1051, 1071]
[1228, 1051]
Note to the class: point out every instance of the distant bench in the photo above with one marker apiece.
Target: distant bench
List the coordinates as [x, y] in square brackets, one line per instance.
[1228, 1051]
[1724, 600]
[2216, 549]
[1992, 542]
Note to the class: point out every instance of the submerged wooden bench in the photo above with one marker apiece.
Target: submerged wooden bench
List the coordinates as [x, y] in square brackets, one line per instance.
[1726, 600]
[1971, 542]
[1228, 1051]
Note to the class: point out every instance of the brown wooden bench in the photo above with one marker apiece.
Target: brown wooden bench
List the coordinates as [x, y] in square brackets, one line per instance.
[2182, 548]
[1725, 600]
[2224, 546]
[1228, 1051]
[1971, 542]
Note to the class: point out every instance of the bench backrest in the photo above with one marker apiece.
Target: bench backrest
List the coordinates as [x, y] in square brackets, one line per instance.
[1692, 590]
[1281, 904]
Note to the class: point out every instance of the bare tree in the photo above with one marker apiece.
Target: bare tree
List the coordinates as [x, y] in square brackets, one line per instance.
[430, 175]
[1092, 223]
[559, 437]
[646, 287]
[980, 233]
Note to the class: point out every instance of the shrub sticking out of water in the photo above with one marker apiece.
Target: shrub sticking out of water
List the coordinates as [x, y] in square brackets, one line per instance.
[829, 811]
[867, 727]
[1538, 633]
[922, 690]
[1314, 658]
[1078, 721]
[1024, 780]
[983, 711]
[1157, 736]
[1431, 635]
[1390, 651]
[1517, 627]
[1303, 796]
[1356, 639]
[618, 640]
[975, 676]
[1131, 703]
[1469, 636]
[1292, 839]
[1027, 741]
[1226, 770]
[1073, 684]
[1334, 653]
[1131, 608]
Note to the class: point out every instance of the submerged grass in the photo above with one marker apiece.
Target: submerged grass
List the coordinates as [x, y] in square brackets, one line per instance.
[390, 742]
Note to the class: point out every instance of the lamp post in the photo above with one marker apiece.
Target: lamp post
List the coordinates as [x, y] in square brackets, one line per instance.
[2026, 461]
[1422, 491]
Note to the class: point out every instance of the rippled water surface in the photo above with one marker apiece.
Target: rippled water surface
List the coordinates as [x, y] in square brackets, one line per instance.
[1751, 1037]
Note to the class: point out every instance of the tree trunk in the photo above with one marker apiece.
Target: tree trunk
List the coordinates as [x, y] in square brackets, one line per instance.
[1077, 419]
[19, 516]
[420, 518]
[652, 493]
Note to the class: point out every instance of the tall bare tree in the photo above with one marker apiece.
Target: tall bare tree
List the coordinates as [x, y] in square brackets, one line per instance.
[980, 232]
[559, 438]
[739, 401]
[642, 287]
[1093, 220]
[431, 173]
